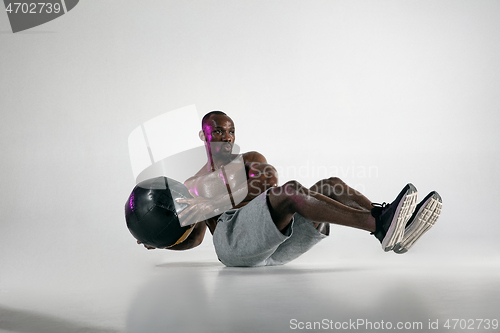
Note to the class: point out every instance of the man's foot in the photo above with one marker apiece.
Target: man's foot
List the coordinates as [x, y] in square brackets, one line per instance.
[391, 218]
[424, 217]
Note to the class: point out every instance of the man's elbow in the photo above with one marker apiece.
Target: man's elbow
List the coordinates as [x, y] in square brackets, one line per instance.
[189, 243]
[186, 245]
[196, 242]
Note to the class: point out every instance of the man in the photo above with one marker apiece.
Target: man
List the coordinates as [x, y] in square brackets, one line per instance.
[257, 223]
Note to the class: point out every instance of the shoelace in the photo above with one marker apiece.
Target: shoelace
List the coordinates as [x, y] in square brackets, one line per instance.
[382, 205]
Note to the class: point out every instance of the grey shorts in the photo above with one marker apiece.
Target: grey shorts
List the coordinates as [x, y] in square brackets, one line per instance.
[248, 237]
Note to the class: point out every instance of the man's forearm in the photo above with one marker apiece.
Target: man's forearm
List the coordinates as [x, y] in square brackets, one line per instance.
[193, 240]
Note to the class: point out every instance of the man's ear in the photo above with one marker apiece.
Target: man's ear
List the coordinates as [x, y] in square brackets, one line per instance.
[202, 136]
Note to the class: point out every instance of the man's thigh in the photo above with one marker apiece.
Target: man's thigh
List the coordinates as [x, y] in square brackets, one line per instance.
[247, 236]
[303, 237]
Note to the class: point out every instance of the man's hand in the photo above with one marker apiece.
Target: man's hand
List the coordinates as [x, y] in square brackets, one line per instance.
[197, 209]
[147, 246]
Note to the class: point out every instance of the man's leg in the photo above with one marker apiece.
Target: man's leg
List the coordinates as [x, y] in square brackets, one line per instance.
[293, 198]
[337, 190]
[387, 225]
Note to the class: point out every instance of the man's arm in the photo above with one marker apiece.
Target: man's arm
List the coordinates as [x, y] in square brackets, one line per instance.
[257, 177]
[261, 176]
[193, 240]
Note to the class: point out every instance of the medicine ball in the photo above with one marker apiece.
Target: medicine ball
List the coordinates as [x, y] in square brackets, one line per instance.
[152, 213]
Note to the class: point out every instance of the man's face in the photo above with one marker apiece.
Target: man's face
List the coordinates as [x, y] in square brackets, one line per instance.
[220, 134]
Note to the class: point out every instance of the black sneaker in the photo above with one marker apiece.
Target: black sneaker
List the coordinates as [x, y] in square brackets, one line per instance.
[424, 217]
[391, 218]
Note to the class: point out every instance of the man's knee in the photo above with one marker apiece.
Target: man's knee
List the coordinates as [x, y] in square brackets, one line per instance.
[331, 187]
[292, 188]
[335, 181]
[287, 193]
[327, 183]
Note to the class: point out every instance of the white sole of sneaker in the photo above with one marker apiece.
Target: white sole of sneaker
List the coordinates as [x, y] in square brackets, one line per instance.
[403, 213]
[426, 217]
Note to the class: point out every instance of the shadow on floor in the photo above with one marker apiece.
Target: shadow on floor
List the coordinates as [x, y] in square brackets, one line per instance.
[17, 320]
[188, 264]
[285, 269]
[274, 299]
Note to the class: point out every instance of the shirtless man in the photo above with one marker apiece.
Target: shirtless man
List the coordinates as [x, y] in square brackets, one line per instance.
[257, 223]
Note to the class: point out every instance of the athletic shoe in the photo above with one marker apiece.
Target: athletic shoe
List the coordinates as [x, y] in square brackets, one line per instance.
[424, 217]
[390, 219]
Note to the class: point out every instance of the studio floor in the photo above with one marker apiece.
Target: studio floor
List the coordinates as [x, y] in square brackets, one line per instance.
[378, 93]
[306, 295]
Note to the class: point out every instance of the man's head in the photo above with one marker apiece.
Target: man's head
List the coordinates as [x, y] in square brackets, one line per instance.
[218, 132]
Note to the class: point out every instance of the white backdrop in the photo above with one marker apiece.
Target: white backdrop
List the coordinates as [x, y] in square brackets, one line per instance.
[379, 93]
